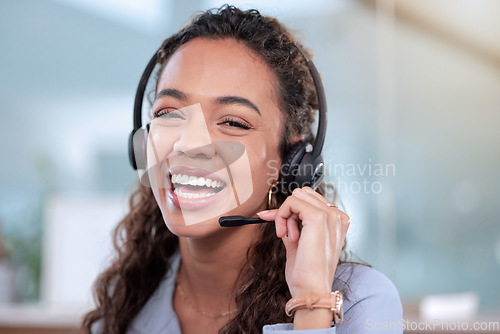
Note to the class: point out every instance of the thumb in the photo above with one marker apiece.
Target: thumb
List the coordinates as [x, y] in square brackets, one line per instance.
[291, 247]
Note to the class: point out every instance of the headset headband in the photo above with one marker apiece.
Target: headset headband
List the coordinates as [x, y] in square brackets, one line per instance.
[320, 92]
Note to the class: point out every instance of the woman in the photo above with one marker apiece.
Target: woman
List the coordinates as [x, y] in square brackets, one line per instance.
[233, 95]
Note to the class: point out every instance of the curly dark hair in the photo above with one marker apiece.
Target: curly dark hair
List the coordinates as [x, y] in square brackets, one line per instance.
[142, 241]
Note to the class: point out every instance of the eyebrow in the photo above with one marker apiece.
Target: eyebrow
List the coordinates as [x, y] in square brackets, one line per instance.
[175, 93]
[237, 100]
[226, 100]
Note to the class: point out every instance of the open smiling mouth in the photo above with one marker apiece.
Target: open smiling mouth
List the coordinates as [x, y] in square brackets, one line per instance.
[193, 187]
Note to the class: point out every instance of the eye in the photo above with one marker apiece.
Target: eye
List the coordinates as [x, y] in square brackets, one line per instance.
[237, 123]
[168, 113]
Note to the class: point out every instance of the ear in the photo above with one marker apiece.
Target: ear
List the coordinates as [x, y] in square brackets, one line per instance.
[293, 140]
[297, 138]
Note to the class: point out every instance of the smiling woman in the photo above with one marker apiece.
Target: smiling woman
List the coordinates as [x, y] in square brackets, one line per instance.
[196, 107]
[234, 93]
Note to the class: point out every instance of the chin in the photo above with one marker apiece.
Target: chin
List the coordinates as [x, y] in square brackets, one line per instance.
[198, 230]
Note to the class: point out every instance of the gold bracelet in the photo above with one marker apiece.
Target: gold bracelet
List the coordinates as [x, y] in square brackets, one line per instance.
[332, 301]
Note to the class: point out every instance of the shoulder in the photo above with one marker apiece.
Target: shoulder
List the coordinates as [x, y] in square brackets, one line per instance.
[158, 314]
[362, 281]
[370, 297]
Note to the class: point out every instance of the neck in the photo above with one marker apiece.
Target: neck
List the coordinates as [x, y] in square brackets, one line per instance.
[211, 265]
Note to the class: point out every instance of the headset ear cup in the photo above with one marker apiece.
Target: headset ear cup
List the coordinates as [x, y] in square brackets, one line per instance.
[310, 172]
[289, 167]
[131, 154]
[137, 149]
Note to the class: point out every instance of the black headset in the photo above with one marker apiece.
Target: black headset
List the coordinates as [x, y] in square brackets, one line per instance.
[303, 164]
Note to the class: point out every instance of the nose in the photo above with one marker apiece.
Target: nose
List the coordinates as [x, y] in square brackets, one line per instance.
[194, 147]
[194, 138]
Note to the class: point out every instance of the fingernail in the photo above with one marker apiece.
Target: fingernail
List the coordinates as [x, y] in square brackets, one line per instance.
[262, 212]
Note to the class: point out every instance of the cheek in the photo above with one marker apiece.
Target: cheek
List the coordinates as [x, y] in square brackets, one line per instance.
[160, 143]
[158, 147]
[265, 164]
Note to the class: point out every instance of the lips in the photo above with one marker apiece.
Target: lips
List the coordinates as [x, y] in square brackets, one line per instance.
[194, 188]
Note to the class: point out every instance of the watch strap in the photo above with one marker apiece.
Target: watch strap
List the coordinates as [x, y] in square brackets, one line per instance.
[332, 301]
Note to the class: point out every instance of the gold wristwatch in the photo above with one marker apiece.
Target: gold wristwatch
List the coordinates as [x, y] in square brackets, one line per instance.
[310, 300]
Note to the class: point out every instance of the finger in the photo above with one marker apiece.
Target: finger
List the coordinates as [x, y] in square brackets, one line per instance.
[289, 245]
[338, 225]
[322, 199]
[267, 214]
[281, 231]
[292, 221]
[311, 196]
[270, 215]
[345, 227]
[287, 217]
[305, 195]
[316, 194]
[346, 222]
[304, 211]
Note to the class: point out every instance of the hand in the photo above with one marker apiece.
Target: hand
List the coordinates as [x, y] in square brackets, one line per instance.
[313, 253]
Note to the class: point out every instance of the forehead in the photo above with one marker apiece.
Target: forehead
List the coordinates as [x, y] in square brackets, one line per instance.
[210, 68]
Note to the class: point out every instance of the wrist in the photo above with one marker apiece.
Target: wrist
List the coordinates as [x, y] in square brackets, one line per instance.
[312, 319]
[328, 306]
[315, 289]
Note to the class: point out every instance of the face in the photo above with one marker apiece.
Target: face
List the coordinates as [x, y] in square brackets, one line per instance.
[213, 144]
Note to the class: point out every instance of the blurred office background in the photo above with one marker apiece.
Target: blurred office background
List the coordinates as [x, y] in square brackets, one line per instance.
[413, 91]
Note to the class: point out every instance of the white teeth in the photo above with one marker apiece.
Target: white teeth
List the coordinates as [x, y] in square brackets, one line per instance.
[201, 181]
[196, 181]
[193, 180]
[178, 192]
